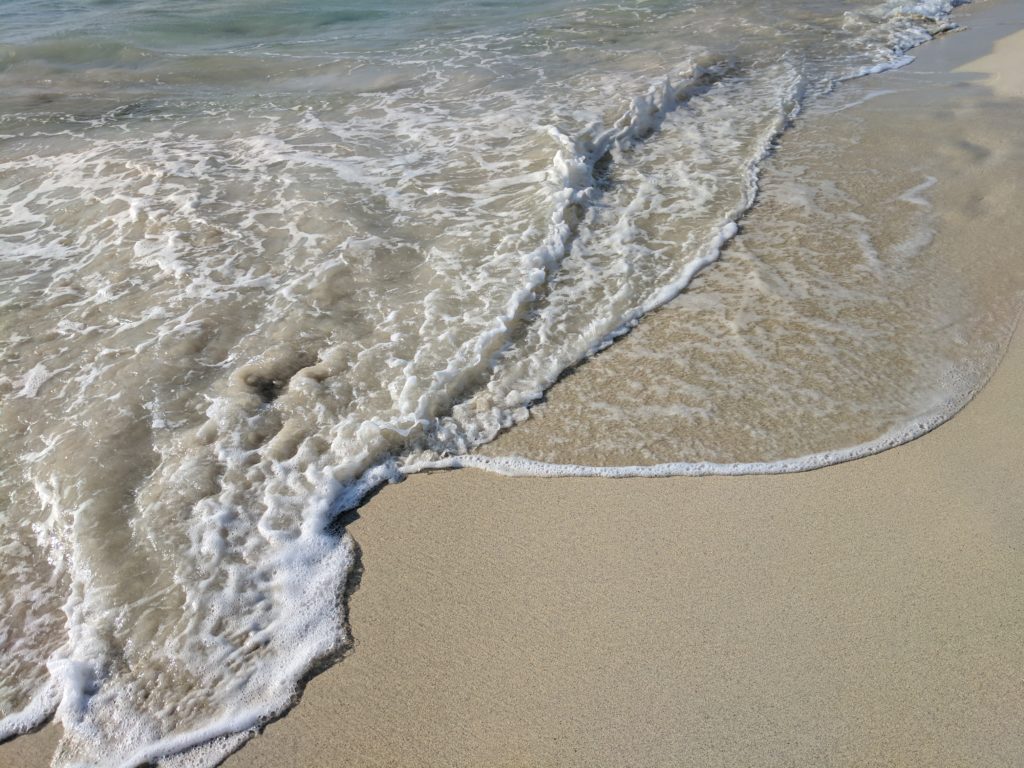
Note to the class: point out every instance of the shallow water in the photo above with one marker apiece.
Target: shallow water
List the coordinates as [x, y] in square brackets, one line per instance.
[260, 258]
[851, 314]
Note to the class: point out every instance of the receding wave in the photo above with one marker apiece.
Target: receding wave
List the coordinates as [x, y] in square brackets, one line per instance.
[232, 312]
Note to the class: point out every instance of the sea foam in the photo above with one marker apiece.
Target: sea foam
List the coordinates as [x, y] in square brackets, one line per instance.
[254, 278]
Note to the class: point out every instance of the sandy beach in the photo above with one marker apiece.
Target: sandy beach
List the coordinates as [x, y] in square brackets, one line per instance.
[864, 614]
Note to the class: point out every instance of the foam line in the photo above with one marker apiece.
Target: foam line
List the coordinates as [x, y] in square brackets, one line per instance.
[518, 466]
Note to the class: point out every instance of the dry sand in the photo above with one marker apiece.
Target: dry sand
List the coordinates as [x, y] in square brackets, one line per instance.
[827, 320]
[867, 614]
[870, 613]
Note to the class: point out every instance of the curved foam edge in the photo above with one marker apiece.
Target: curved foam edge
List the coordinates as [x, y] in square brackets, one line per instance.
[518, 466]
[35, 714]
[242, 724]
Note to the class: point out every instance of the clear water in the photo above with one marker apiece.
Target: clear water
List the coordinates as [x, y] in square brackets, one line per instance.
[261, 257]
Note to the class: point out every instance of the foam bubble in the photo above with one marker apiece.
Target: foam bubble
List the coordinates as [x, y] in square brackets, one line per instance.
[252, 285]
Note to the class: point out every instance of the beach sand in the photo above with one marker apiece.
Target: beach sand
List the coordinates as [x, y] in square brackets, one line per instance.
[870, 613]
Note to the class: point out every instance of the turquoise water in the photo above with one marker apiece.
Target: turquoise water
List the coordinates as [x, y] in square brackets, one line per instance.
[226, 26]
[142, 35]
[260, 258]
[225, 47]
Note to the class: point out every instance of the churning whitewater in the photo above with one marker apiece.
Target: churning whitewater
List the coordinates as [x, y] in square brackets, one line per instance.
[261, 258]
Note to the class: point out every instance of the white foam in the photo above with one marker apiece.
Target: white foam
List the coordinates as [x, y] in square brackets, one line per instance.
[307, 303]
[517, 466]
[961, 386]
[38, 710]
[914, 196]
[34, 380]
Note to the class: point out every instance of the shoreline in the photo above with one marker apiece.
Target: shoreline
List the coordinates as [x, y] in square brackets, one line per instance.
[763, 366]
[864, 613]
[829, 616]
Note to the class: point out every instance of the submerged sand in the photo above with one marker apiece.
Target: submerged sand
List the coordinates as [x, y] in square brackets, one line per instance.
[866, 614]
[870, 613]
[865, 290]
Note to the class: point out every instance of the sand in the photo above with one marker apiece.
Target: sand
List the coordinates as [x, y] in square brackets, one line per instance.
[870, 613]
[826, 322]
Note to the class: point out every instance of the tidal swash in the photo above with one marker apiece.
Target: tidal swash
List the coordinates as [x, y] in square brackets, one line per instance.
[259, 258]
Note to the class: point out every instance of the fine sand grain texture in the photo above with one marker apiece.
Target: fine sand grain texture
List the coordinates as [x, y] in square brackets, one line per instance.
[866, 614]
[869, 283]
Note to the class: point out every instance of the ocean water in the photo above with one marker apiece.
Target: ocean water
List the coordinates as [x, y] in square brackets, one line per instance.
[259, 258]
[858, 307]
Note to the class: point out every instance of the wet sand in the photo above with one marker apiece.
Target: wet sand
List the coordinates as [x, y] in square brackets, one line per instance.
[869, 613]
[865, 614]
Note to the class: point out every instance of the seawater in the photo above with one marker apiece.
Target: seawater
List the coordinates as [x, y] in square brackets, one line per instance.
[259, 258]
